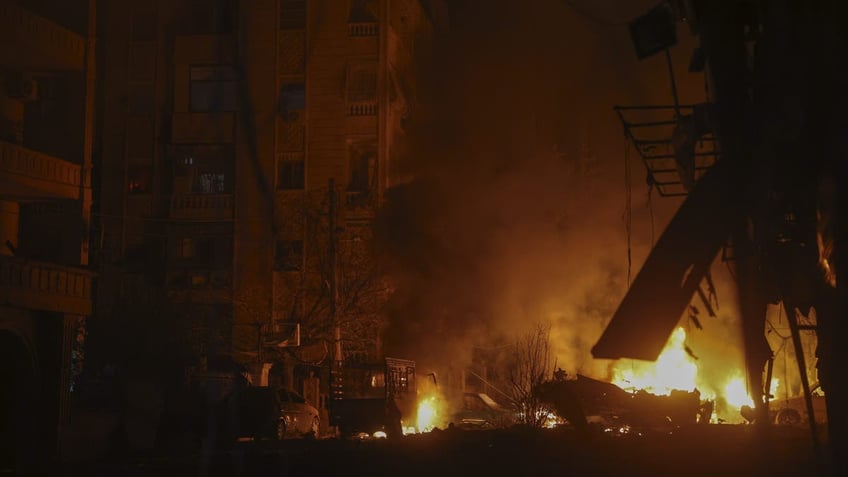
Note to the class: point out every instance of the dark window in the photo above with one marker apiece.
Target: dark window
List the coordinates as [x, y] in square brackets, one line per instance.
[363, 11]
[139, 179]
[292, 14]
[363, 167]
[288, 255]
[202, 169]
[206, 253]
[213, 88]
[292, 102]
[362, 82]
[201, 17]
[291, 174]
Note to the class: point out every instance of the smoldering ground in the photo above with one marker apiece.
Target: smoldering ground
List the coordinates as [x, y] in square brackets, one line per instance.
[516, 210]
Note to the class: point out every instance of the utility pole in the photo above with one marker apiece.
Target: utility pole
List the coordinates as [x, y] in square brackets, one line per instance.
[333, 285]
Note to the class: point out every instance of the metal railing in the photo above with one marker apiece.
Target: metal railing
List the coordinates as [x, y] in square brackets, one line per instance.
[202, 206]
[362, 108]
[363, 29]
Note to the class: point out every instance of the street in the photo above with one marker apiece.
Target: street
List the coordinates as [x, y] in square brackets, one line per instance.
[714, 450]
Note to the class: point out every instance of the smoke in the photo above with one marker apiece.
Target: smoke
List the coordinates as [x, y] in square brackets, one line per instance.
[515, 213]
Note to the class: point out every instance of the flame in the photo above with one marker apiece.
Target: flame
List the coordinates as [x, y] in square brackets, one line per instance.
[736, 391]
[674, 369]
[427, 414]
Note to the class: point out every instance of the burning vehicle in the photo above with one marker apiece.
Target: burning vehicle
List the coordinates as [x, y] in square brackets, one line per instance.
[586, 402]
[793, 411]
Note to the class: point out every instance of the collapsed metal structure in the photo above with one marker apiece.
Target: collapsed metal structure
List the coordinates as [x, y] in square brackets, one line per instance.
[776, 73]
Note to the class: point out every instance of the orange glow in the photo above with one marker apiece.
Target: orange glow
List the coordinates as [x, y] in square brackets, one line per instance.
[674, 369]
[428, 414]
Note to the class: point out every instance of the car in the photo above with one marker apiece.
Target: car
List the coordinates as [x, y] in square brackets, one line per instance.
[297, 417]
[793, 411]
[274, 413]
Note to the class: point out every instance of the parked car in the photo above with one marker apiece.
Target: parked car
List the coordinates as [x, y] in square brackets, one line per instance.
[297, 417]
[269, 413]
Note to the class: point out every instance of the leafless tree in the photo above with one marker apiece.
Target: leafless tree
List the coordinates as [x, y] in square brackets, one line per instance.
[531, 364]
[321, 275]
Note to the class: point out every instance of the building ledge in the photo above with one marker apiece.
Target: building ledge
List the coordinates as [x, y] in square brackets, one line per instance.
[29, 174]
[29, 42]
[45, 286]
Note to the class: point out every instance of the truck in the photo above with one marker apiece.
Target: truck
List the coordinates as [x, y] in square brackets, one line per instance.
[370, 400]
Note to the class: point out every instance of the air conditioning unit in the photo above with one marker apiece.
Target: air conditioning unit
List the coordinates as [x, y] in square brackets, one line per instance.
[21, 87]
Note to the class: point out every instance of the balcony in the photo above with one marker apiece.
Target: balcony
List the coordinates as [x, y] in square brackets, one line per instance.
[362, 108]
[200, 286]
[202, 207]
[29, 174]
[45, 286]
[363, 29]
[29, 42]
[202, 128]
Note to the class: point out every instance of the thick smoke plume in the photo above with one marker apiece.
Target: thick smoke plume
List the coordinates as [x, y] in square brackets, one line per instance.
[516, 210]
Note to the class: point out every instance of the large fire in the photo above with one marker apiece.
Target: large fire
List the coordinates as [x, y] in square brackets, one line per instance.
[427, 414]
[677, 369]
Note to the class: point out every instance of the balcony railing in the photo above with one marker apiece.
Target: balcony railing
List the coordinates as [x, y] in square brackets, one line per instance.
[38, 42]
[45, 286]
[206, 207]
[46, 175]
[362, 108]
[363, 29]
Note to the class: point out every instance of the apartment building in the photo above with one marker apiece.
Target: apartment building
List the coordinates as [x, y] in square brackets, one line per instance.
[47, 73]
[246, 146]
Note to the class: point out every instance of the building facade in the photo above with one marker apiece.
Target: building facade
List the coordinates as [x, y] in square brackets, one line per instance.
[47, 68]
[245, 148]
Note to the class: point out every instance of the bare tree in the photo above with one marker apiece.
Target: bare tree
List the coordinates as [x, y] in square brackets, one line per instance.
[321, 276]
[531, 365]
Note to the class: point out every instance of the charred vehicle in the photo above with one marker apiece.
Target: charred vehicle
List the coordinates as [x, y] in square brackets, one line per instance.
[585, 401]
[370, 399]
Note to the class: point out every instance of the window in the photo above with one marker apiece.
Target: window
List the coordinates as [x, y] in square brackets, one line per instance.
[187, 248]
[292, 102]
[204, 252]
[203, 17]
[361, 84]
[139, 179]
[363, 11]
[288, 255]
[291, 173]
[201, 169]
[213, 89]
[292, 14]
[210, 183]
[363, 166]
